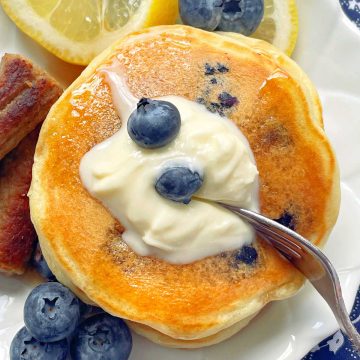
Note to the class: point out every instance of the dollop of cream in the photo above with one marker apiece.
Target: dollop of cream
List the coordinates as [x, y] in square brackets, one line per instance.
[121, 175]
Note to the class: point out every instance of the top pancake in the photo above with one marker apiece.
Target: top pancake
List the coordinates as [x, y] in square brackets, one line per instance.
[278, 111]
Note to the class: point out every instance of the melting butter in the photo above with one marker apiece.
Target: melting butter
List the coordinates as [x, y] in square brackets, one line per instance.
[122, 176]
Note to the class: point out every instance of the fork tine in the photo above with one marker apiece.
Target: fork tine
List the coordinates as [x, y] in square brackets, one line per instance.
[283, 236]
[280, 245]
[266, 226]
[280, 237]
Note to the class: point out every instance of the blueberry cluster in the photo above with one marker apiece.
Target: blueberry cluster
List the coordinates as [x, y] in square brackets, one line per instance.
[58, 324]
[241, 16]
[212, 70]
[154, 124]
[225, 101]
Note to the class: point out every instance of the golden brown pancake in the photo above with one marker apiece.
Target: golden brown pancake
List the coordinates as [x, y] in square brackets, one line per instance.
[279, 112]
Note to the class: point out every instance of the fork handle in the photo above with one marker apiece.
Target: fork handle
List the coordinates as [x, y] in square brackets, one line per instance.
[345, 323]
[331, 292]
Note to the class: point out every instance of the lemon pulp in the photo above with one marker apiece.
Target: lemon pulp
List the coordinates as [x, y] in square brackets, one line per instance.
[77, 30]
[279, 25]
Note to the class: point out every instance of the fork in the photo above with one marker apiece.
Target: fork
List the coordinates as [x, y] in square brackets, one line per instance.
[309, 260]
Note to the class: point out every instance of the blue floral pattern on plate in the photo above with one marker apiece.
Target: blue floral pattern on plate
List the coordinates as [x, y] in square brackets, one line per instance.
[352, 10]
[337, 346]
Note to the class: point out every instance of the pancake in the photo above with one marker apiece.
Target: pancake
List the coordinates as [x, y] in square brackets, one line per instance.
[165, 340]
[279, 112]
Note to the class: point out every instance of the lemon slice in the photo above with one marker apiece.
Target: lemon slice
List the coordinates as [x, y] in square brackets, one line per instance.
[279, 25]
[77, 30]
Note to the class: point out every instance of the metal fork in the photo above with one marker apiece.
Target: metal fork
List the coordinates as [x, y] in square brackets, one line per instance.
[309, 260]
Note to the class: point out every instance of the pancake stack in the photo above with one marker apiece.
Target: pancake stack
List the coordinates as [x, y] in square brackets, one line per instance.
[279, 112]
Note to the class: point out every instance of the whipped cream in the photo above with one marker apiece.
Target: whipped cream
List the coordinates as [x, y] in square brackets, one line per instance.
[121, 175]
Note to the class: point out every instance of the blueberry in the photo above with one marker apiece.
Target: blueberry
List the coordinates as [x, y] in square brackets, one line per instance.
[101, 337]
[242, 16]
[154, 123]
[221, 68]
[227, 100]
[247, 255]
[86, 310]
[51, 312]
[41, 266]
[216, 108]
[287, 220]
[209, 70]
[203, 14]
[178, 183]
[25, 346]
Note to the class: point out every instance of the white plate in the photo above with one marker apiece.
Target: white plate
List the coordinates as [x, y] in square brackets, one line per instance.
[329, 51]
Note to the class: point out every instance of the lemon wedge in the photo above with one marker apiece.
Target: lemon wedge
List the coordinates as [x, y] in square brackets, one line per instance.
[280, 25]
[77, 30]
